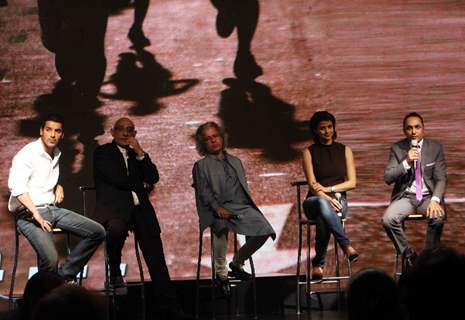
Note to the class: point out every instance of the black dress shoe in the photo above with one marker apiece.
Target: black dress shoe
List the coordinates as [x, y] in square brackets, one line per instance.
[223, 284]
[408, 259]
[239, 273]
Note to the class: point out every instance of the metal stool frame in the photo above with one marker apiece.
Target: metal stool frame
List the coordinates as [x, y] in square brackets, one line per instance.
[213, 286]
[11, 298]
[414, 216]
[304, 222]
[111, 292]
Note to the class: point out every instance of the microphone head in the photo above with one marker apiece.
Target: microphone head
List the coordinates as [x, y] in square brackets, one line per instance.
[414, 143]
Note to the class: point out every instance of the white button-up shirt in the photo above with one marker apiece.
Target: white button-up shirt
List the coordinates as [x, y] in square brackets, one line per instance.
[33, 171]
[124, 152]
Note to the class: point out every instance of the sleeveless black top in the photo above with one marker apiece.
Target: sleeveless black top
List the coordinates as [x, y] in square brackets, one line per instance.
[329, 163]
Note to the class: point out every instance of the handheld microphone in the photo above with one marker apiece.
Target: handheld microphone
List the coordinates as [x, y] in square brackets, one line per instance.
[235, 216]
[414, 144]
[232, 216]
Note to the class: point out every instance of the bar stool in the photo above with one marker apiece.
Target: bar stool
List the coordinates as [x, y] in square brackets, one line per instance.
[414, 216]
[233, 281]
[11, 298]
[307, 282]
[110, 291]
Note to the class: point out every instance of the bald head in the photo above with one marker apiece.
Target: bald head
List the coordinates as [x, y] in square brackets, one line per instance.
[123, 130]
[123, 121]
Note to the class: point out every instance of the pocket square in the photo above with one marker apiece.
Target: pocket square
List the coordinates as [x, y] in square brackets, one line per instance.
[430, 164]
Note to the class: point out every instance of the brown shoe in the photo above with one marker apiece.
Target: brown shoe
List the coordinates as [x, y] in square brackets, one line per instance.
[350, 252]
[317, 273]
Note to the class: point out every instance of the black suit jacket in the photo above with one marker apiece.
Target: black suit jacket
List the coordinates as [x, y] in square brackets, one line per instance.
[114, 186]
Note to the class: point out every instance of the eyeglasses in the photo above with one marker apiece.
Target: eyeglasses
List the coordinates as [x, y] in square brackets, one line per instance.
[130, 130]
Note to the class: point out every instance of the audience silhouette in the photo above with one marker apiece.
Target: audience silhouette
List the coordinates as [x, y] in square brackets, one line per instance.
[69, 302]
[431, 289]
[373, 294]
[40, 284]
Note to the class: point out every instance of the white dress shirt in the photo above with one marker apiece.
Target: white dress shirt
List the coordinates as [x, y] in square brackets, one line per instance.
[33, 171]
[124, 152]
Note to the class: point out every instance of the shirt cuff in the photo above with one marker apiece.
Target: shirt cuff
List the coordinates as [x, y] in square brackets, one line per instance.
[434, 198]
[141, 157]
[406, 165]
[18, 191]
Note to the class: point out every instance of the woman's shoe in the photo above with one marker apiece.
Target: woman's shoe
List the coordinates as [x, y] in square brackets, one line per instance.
[317, 273]
[350, 253]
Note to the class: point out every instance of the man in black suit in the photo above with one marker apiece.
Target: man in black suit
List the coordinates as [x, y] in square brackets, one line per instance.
[417, 168]
[124, 176]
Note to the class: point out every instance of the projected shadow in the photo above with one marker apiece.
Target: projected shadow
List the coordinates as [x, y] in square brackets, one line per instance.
[141, 79]
[254, 118]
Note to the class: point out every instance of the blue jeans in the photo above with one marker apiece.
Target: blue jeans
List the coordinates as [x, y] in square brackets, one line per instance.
[91, 232]
[327, 223]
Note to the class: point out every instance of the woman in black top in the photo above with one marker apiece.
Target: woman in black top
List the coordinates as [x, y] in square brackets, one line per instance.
[330, 171]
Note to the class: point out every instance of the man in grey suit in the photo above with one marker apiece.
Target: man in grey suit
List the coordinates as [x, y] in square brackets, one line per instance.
[418, 169]
[224, 203]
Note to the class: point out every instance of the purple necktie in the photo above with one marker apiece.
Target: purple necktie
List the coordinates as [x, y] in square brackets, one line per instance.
[418, 180]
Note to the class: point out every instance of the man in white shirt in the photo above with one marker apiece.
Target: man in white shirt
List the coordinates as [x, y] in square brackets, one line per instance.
[417, 167]
[35, 194]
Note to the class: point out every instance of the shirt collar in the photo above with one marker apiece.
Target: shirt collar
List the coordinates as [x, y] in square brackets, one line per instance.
[122, 150]
[42, 152]
[212, 156]
[420, 143]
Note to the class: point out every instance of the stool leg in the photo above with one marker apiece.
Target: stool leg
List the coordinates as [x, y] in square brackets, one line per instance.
[349, 266]
[13, 271]
[338, 273]
[197, 277]
[109, 292]
[297, 273]
[254, 288]
[396, 264]
[141, 274]
[213, 286]
[236, 295]
[308, 274]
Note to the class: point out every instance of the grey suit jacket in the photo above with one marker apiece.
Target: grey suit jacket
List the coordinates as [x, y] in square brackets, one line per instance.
[433, 167]
[210, 187]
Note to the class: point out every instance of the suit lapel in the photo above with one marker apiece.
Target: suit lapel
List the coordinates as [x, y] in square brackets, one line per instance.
[424, 154]
[120, 158]
[405, 146]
